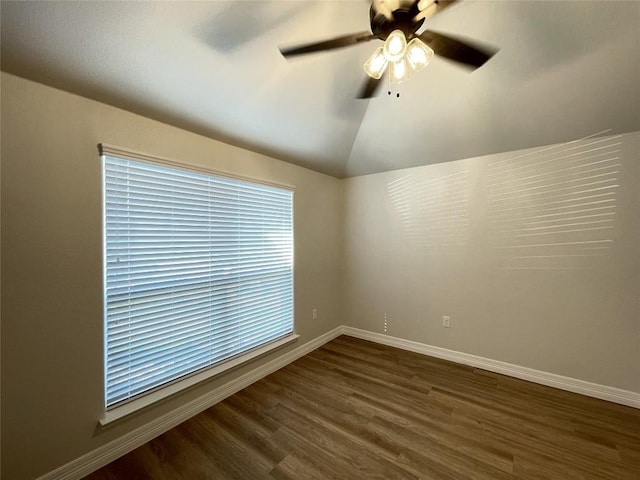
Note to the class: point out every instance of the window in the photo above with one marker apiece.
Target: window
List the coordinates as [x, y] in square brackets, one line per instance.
[198, 270]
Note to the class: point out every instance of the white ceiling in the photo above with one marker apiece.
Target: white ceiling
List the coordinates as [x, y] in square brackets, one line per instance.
[565, 70]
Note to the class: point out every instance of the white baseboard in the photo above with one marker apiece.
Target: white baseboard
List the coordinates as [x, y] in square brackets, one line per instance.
[82, 466]
[603, 392]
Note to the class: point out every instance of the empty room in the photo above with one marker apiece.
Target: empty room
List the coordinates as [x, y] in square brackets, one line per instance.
[337, 239]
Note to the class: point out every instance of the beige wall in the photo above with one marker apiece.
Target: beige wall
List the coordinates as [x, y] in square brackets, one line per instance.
[52, 265]
[535, 256]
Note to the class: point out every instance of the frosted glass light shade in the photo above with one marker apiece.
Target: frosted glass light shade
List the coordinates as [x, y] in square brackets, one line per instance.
[418, 54]
[395, 46]
[399, 71]
[376, 64]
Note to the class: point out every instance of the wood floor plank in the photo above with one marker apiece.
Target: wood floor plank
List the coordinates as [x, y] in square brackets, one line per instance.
[310, 450]
[174, 450]
[255, 439]
[630, 456]
[354, 409]
[343, 447]
[445, 433]
[294, 468]
[542, 452]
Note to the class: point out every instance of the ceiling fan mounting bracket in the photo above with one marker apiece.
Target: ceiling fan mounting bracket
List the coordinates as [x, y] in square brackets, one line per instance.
[401, 19]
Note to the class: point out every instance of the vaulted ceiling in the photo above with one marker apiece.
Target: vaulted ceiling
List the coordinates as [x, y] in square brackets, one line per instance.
[565, 70]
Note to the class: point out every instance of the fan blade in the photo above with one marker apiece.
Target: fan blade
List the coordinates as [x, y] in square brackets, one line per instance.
[458, 50]
[370, 87]
[429, 8]
[380, 7]
[338, 42]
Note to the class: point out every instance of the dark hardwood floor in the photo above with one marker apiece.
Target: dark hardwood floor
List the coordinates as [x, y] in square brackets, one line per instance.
[358, 410]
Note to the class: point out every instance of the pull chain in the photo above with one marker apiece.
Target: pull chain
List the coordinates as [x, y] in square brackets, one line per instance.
[389, 91]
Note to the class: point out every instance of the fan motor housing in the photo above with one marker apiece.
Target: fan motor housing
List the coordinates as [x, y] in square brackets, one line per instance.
[389, 15]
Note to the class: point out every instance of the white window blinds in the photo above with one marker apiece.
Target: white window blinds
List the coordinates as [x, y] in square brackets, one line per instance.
[198, 269]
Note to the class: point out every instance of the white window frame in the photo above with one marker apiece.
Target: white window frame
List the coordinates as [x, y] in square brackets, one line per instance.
[137, 403]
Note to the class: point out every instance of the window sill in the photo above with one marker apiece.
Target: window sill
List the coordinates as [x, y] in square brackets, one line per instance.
[138, 404]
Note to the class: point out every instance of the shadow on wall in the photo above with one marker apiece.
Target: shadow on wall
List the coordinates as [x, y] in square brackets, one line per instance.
[434, 211]
[551, 208]
[554, 208]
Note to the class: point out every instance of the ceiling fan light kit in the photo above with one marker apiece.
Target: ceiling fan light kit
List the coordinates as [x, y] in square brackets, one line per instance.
[419, 54]
[395, 46]
[399, 71]
[376, 64]
[399, 57]
[397, 23]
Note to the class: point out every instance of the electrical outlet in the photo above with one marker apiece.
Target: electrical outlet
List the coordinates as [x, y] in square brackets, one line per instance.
[314, 313]
[446, 321]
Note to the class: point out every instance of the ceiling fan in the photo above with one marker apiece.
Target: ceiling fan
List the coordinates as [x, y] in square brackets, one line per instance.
[396, 23]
